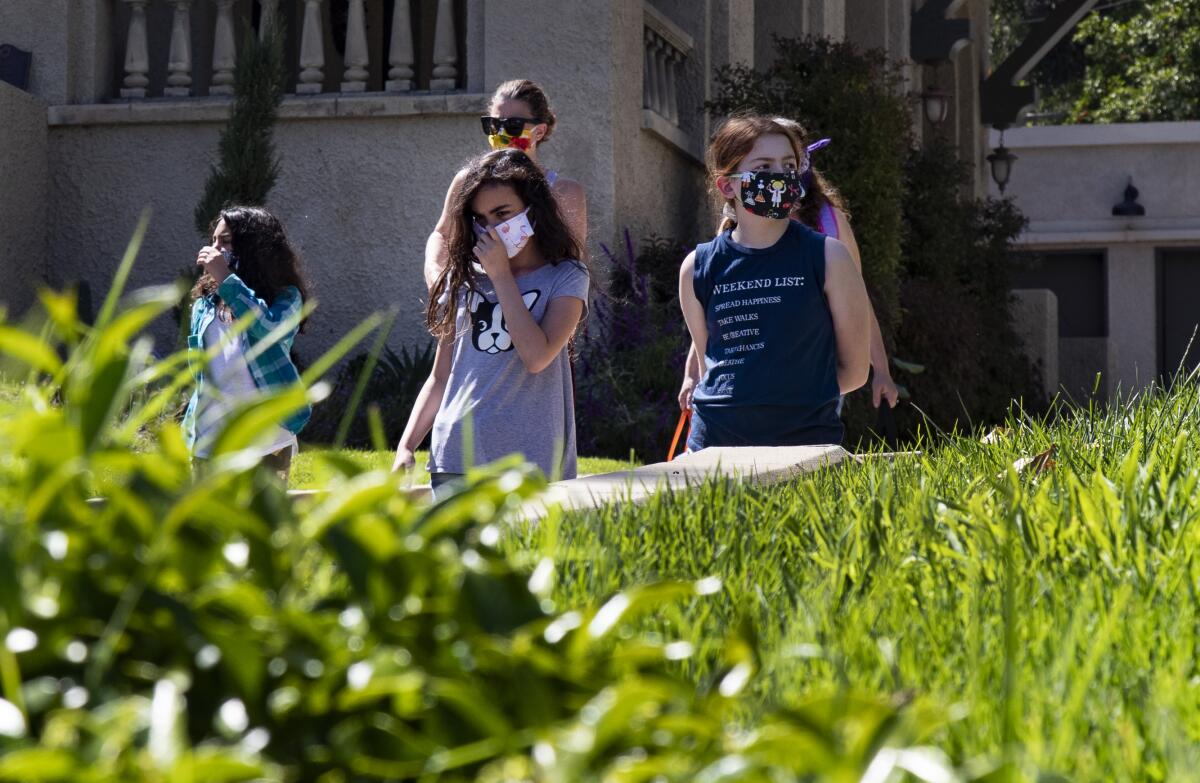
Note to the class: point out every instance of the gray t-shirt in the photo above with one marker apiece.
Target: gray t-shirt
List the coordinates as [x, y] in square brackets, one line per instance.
[510, 409]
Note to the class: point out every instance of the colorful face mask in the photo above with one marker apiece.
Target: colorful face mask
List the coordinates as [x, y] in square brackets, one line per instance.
[502, 140]
[505, 132]
[515, 232]
[771, 194]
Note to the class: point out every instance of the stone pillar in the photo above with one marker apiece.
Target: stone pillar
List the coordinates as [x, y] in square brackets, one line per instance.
[312, 49]
[137, 52]
[1132, 315]
[267, 20]
[445, 49]
[1035, 320]
[400, 77]
[224, 50]
[355, 77]
[179, 62]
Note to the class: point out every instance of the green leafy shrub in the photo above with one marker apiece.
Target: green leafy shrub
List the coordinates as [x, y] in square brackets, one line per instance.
[956, 297]
[1125, 62]
[391, 388]
[630, 355]
[249, 166]
[210, 627]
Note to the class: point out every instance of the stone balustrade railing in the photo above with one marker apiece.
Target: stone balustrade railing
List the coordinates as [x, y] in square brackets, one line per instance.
[666, 49]
[307, 31]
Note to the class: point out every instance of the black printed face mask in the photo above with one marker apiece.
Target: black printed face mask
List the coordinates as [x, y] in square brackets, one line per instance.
[771, 194]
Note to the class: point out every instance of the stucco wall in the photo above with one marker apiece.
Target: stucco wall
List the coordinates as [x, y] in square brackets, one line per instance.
[661, 185]
[1066, 180]
[358, 197]
[23, 164]
[576, 64]
[1075, 174]
[69, 41]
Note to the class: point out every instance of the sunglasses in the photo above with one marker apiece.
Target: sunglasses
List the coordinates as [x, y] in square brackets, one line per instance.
[511, 126]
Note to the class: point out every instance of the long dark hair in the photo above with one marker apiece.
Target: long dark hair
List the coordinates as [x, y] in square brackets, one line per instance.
[266, 260]
[552, 236]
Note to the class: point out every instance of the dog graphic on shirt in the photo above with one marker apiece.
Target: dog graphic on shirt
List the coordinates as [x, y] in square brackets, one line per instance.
[489, 333]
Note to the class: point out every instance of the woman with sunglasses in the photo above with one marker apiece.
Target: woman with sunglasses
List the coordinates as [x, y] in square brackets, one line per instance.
[519, 117]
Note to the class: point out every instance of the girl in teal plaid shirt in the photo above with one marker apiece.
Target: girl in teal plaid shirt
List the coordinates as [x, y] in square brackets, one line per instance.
[250, 271]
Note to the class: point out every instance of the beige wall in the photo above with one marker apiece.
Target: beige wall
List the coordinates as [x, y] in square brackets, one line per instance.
[364, 177]
[358, 196]
[23, 192]
[69, 41]
[1066, 180]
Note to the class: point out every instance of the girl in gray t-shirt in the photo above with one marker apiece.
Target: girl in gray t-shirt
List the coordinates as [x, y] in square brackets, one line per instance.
[503, 311]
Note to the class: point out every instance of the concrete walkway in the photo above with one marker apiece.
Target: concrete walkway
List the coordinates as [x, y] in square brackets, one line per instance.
[758, 465]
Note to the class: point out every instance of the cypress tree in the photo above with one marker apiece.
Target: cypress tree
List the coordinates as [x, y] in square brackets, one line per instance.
[248, 166]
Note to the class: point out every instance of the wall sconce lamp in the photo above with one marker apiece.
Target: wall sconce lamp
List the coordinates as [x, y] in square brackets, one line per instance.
[1001, 160]
[1129, 207]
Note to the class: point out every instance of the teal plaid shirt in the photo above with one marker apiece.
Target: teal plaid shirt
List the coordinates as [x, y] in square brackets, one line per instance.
[272, 367]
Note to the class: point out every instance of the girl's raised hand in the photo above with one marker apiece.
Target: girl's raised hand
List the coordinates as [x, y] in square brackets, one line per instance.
[212, 261]
[491, 254]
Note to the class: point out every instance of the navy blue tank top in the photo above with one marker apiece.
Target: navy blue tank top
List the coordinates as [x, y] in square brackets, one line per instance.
[771, 360]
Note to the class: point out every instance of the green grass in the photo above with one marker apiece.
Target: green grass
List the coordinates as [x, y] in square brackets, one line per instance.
[311, 469]
[1054, 617]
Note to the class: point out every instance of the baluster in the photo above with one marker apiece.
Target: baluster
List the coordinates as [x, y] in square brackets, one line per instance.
[268, 17]
[400, 77]
[355, 77]
[445, 49]
[137, 52]
[179, 62]
[672, 71]
[660, 73]
[312, 49]
[224, 50]
[649, 84]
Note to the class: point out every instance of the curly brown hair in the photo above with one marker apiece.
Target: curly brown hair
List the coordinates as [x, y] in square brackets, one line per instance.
[266, 261]
[552, 236]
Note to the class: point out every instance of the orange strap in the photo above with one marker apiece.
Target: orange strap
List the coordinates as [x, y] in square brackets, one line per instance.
[683, 419]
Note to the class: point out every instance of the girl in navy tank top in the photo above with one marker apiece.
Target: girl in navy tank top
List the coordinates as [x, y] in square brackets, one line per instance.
[778, 312]
[823, 210]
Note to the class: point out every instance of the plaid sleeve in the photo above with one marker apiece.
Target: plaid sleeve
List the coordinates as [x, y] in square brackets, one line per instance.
[242, 300]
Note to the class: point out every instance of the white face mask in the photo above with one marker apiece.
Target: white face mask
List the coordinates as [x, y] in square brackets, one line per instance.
[515, 232]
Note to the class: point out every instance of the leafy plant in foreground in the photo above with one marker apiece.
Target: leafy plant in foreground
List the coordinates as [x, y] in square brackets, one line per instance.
[211, 627]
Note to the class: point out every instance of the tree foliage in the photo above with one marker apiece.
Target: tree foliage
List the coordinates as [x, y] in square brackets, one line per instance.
[1126, 61]
[248, 165]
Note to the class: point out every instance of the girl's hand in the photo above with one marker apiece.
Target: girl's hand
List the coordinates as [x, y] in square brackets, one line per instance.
[492, 255]
[405, 460]
[685, 392]
[884, 388]
[212, 261]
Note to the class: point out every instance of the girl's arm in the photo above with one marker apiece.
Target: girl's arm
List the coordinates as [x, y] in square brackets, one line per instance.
[693, 313]
[537, 344]
[436, 254]
[425, 409]
[267, 317]
[850, 308]
[691, 376]
[882, 385]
